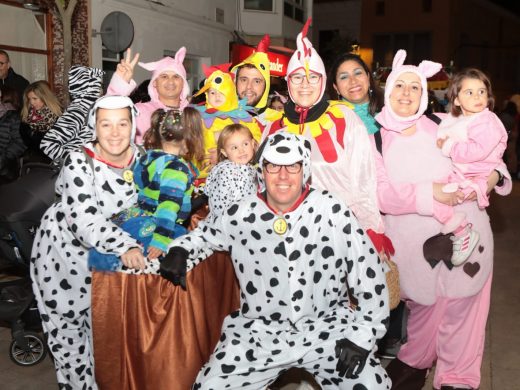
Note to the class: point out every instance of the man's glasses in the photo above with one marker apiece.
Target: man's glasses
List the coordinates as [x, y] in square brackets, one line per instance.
[297, 78]
[275, 168]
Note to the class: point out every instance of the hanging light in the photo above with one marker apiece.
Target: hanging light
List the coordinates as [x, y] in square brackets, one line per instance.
[33, 5]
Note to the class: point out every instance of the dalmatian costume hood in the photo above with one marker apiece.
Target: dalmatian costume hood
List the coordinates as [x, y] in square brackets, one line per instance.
[284, 148]
[387, 117]
[112, 103]
[260, 61]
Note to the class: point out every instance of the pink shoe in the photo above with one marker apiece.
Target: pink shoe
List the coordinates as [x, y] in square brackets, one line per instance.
[463, 245]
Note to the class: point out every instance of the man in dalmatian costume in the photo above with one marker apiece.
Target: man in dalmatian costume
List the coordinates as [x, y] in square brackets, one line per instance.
[298, 252]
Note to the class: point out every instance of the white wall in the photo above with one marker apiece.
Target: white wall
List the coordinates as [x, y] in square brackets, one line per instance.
[261, 22]
[273, 23]
[158, 28]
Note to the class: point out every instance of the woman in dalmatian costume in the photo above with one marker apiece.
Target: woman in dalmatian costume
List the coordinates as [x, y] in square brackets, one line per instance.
[295, 309]
[342, 157]
[448, 305]
[92, 189]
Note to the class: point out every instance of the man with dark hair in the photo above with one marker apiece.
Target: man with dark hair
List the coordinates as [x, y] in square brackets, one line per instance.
[9, 77]
[253, 78]
[299, 255]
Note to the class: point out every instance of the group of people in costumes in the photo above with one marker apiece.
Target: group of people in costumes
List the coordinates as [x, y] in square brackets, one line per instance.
[304, 227]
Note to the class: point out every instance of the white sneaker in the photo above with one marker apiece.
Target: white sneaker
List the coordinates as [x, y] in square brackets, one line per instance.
[463, 246]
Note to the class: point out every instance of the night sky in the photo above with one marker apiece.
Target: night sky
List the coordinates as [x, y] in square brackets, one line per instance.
[513, 6]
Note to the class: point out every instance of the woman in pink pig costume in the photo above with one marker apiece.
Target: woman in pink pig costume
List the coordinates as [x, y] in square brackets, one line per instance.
[168, 88]
[448, 305]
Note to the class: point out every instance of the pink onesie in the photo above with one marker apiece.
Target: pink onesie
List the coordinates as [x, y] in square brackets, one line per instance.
[446, 304]
[475, 144]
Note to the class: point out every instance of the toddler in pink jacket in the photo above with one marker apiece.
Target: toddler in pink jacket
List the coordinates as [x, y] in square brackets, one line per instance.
[475, 139]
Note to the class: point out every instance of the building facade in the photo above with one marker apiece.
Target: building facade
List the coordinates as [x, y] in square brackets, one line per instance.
[457, 33]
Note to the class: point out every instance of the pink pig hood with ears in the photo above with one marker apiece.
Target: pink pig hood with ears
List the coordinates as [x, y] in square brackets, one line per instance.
[388, 118]
[307, 58]
[164, 65]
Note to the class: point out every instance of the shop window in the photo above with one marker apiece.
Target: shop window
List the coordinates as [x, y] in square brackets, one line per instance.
[25, 36]
[259, 5]
[427, 6]
[110, 61]
[422, 47]
[380, 8]
[294, 9]
[193, 65]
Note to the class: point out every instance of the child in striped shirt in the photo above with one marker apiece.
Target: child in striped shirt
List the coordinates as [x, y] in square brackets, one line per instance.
[164, 179]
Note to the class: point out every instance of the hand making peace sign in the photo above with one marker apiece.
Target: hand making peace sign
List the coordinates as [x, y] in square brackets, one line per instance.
[125, 69]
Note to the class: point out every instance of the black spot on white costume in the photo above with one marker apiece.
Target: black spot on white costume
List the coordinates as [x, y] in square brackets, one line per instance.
[294, 301]
[61, 278]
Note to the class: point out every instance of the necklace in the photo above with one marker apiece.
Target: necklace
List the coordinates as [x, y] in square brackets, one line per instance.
[280, 225]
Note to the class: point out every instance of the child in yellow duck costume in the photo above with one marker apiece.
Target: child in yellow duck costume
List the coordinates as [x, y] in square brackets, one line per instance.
[220, 111]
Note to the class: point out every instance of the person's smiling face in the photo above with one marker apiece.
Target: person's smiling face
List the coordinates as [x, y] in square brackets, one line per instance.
[352, 82]
[113, 132]
[405, 97]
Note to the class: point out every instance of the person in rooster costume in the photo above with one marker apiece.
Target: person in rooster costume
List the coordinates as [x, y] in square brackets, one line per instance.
[342, 153]
[222, 108]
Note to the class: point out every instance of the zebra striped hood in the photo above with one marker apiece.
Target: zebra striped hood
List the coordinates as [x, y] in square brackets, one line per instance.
[85, 82]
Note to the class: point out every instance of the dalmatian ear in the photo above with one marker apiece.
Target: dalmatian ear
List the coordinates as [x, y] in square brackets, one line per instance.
[399, 58]
[277, 138]
[429, 68]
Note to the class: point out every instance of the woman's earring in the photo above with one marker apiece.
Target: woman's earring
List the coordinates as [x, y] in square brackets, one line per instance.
[370, 92]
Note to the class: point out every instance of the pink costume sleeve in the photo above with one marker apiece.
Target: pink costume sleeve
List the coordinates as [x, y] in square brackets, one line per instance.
[508, 183]
[484, 137]
[118, 86]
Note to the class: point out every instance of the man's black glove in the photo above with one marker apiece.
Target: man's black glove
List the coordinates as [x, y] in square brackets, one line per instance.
[173, 266]
[351, 358]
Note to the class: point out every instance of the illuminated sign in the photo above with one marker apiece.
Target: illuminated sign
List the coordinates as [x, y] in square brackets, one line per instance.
[277, 62]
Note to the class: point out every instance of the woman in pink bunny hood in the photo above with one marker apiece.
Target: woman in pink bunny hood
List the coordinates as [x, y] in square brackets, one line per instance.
[448, 305]
[168, 88]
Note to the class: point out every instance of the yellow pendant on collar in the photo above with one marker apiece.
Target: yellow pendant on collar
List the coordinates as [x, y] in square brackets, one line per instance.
[280, 225]
[128, 176]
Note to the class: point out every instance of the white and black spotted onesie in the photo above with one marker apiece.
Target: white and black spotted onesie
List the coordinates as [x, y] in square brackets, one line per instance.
[228, 183]
[61, 278]
[294, 294]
